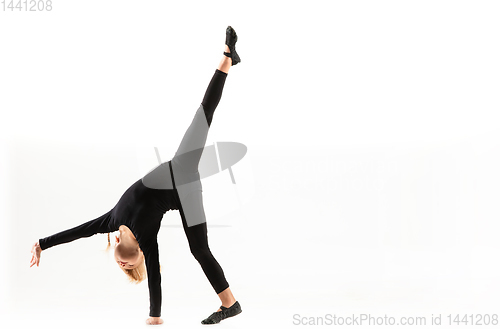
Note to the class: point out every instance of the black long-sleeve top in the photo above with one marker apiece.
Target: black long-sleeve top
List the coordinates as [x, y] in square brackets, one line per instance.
[141, 209]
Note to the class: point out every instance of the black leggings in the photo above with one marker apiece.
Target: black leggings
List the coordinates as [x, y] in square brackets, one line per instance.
[198, 244]
[197, 234]
[213, 94]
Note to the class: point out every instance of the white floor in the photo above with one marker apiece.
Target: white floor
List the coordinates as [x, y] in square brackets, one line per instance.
[384, 245]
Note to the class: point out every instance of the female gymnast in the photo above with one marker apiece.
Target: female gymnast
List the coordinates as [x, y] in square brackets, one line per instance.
[174, 184]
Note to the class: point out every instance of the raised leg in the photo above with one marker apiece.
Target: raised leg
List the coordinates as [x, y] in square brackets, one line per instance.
[187, 157]
[188, 154]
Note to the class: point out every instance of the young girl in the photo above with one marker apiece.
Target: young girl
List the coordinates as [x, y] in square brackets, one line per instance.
[174, 184]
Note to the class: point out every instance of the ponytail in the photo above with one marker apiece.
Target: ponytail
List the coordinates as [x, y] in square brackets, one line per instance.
[109, 243]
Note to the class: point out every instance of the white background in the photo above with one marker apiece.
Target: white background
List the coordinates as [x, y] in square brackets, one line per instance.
[371, 182]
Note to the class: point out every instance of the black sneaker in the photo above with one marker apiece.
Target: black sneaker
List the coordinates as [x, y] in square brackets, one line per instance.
[231, 38]
[226, 312]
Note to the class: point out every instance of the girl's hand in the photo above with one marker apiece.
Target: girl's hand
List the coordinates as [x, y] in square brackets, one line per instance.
[154, 320]
[36, 252]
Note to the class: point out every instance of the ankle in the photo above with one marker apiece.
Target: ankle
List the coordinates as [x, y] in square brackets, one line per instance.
[229, 303]
[227, 50]
[225, 64]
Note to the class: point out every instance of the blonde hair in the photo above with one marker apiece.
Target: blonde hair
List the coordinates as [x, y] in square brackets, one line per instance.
[135, 275]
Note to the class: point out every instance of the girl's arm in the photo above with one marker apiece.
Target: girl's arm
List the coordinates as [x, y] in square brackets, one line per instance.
[152, 259]
[101, 224]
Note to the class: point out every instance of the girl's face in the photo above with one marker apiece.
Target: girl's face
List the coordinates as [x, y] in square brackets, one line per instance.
[126, 257]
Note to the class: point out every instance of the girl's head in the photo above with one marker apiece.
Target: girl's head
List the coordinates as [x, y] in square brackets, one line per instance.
[137, 274]
[130, 259]
[128, 255]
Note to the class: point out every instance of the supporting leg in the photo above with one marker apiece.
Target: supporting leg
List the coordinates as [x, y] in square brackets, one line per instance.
[198, 244]
[227, 299]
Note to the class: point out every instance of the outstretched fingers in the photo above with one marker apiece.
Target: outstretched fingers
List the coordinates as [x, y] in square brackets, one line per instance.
[35, 258]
